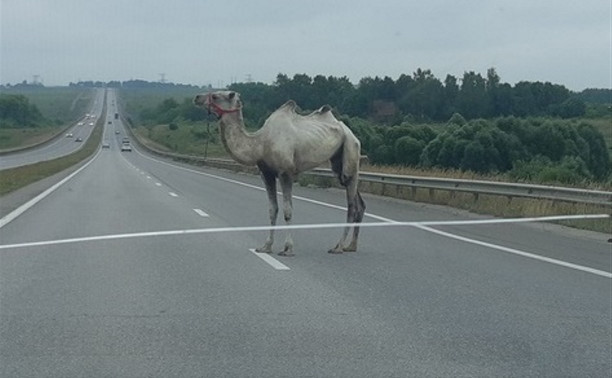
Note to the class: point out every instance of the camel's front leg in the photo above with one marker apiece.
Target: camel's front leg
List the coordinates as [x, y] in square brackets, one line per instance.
[270, 182]
[286, 186]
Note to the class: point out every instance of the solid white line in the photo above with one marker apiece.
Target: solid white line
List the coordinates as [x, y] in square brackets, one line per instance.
[201, 213]
[172, 194]
[270, 260]
[517, 252]
[21, 209]
[297, 227]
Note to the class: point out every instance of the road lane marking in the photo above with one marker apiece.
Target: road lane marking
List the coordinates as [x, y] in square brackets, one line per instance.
[172, 194]
[251, 186]
[21, 209]
[313, 227]
[270, 260]
[158, 184]
[421, 224]
[517, 252]
[201, 213]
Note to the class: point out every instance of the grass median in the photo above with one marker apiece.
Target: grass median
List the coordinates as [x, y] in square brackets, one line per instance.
[15, 178]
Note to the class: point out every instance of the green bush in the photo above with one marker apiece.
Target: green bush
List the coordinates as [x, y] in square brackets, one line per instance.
[408, 150]
[16, 111]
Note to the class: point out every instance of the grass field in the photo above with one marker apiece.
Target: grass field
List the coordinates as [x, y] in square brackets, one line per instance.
[59, 105]
[135, 100]
[14, 138]
[187, 139]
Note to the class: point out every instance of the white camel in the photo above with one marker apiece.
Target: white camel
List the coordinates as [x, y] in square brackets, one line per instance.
[289, 143]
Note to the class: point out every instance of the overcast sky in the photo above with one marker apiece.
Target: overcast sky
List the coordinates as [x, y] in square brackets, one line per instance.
[216, 42]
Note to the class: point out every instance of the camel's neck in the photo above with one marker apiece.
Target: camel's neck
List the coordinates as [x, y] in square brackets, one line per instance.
[241, 145]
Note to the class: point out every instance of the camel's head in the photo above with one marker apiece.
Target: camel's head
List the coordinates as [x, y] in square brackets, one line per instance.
[220, 102]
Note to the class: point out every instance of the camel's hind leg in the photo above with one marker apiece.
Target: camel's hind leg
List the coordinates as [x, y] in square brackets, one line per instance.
[269, 180]
[286, 182]
[345, 163]
[354, 214]
[356, 217]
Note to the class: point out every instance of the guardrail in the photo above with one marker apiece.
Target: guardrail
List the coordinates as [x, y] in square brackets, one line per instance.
[475, 187]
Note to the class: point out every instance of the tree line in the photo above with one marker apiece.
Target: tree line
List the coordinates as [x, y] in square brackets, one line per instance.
[420, 96]
[16, 111]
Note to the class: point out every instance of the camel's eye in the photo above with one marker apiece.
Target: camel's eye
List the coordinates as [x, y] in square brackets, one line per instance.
[215, 97]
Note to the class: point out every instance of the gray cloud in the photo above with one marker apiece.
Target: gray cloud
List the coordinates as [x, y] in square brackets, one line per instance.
[201, 41]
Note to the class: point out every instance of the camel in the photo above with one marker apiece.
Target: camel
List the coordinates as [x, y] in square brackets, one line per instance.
[287, 144]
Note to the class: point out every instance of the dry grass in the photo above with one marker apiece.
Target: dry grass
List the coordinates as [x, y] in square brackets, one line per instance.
[431, 172]
[467, 175]
[19, 138]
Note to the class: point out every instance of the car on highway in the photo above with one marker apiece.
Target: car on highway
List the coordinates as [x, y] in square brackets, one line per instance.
[79, 139]
[105, 145]
[69, 135]
[126, 147]
[117, 132]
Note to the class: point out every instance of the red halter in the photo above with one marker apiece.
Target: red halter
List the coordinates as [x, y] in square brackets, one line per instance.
[219, 110]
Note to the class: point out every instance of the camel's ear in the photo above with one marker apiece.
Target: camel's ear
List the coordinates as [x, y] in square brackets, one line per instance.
[232, 95]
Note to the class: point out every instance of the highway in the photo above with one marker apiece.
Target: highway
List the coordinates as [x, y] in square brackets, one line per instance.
[61, 146]
[118, 273]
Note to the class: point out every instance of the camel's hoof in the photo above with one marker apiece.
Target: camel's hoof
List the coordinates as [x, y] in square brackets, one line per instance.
[263, 250]
[286, 253]
[349, 249]
[335, 251]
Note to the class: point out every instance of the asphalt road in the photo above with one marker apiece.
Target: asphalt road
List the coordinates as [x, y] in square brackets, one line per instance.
[127, 282]
[60, 146]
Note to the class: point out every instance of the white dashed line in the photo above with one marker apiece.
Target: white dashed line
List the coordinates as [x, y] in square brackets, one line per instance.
[270, 260]
[157, 184]
[201, 213]
[172, 194]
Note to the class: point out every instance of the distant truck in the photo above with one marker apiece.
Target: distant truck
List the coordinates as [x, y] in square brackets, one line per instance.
[116, 115]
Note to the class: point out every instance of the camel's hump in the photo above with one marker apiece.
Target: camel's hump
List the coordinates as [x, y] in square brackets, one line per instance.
[324, 109]
[290, 105]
